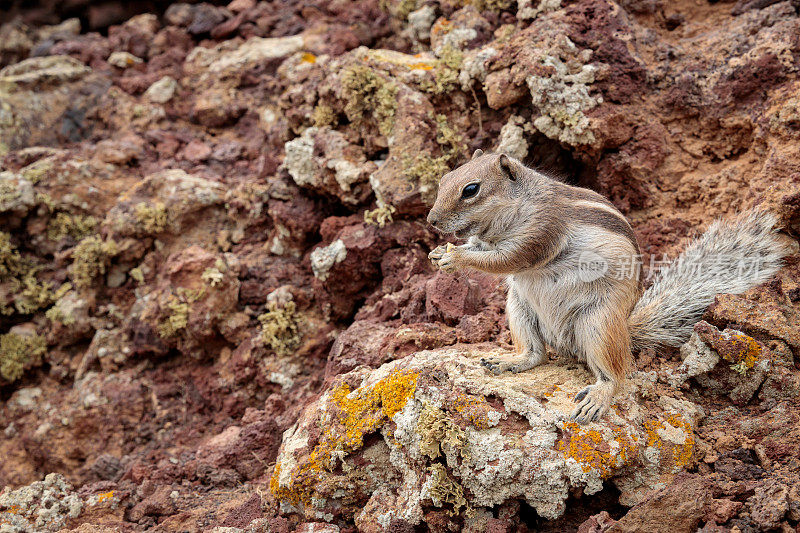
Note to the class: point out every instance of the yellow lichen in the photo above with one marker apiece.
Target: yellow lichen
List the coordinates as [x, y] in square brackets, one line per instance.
[356, 413]
[32, 294]
[10, 260]
[380, 216]
[369, 94]
[179, 307]
[9, 191]
[37, 170]
[18, 352]
[90, 259]
[493, 5]
[279, 327]
[74, 226]
[427, 171]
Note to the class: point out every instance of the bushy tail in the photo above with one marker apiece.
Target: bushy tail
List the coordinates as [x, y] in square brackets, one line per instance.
[730, 257]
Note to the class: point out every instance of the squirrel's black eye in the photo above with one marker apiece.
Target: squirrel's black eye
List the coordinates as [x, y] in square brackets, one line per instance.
[470, 190]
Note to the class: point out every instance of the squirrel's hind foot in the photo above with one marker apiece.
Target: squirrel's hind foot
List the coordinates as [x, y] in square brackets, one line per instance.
[593, 402]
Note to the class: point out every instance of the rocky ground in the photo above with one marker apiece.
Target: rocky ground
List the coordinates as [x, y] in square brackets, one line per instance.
[216, 310]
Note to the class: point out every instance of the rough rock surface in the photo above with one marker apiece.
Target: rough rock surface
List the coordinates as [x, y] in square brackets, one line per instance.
[212, 235]
[454, 435]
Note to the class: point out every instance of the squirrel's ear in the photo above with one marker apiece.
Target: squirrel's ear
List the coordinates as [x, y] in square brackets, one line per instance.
[477, 153]
[508, 167]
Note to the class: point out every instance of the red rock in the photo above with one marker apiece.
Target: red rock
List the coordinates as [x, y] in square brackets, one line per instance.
[159, 503]
[677, 508]
[597, 524]
[196, 151]
[449, 297]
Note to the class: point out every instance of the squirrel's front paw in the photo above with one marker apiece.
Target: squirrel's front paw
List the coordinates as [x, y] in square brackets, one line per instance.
[437, 253]
[448, 262]
[444, 257]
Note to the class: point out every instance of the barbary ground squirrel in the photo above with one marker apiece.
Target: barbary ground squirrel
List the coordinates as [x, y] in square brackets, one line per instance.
[573, 269]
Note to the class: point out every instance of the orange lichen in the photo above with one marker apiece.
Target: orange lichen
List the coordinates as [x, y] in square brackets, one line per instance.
[308, 58]
[675, 455]
[593, 451]
[355, 414]
[474, 409]
[105, 496]
[420, 66]
[554, 390]
[743, 351]
[441, 26]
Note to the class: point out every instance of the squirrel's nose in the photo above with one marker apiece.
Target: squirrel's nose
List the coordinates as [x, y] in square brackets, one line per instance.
[432, 220]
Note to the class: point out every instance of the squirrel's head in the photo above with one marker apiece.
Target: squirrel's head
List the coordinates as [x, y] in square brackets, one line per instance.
[473, 194]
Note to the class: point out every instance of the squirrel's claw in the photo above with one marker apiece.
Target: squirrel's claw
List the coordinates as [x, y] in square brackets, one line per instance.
[594, 402]
[495, 367]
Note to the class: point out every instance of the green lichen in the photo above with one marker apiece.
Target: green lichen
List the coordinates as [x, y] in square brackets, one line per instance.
[179, 307]
[740, 368]
[177, 320]
[444, 489]
[90, 259]
[323, 116]
[31, 294]
[398, 8]
[493, 5]
[426, 171]
[137, 274]
[279, 327]
[36, 171]
[74, 226]
[445, 73]
[368, 94]
[151, 219]
[436, 430]
[8, 191]
[46, 200]
[10, 261]
[18, 352]
[27, 292]
[57, 314]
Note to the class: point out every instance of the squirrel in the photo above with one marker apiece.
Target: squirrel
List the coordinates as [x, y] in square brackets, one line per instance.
[573, 269]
